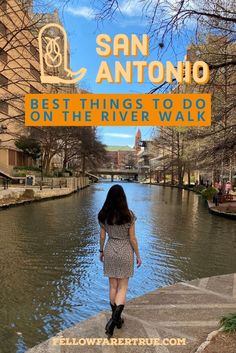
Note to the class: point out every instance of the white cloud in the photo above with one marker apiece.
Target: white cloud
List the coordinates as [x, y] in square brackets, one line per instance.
[82, 11]
[131, 8]
[119, 135]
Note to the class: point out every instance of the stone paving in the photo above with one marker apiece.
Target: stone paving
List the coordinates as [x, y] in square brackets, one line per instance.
[187, 310]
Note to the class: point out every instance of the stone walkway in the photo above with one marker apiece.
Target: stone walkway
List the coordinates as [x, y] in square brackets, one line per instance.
[187, 310]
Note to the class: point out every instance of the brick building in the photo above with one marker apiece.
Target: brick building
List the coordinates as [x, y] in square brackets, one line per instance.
[120, 157]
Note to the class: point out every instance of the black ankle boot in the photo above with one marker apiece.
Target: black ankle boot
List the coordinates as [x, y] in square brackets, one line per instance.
[112, 323]
[121, 321]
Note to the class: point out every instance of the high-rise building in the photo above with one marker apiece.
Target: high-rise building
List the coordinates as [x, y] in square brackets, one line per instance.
[19, 75]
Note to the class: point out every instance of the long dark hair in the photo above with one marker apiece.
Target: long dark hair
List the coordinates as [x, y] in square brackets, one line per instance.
[115, 209]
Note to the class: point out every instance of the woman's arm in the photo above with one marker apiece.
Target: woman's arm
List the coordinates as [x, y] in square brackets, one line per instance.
[102, 241]
[134, 243]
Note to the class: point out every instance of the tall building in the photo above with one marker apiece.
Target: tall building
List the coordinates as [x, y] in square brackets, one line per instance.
[138, 137]
[19, 75]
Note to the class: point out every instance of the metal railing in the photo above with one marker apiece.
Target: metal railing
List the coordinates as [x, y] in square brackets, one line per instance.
[51, 184]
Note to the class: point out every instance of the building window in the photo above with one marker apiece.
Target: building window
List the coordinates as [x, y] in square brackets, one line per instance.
[3, 5]
[12, 157]
[3, 29]
[3, 55]
[33, 90]
[3, 107]
[35, 73]
[20, 159]
[3, 81]
[33, 51]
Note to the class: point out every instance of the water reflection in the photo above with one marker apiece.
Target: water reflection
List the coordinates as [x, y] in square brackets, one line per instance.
[50, 274]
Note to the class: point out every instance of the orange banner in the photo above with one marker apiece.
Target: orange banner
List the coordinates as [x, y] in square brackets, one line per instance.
[118, 109]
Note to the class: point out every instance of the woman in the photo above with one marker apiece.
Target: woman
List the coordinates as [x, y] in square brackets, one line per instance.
[118, 222]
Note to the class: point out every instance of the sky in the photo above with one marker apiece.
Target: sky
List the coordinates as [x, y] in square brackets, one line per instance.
[82, 28]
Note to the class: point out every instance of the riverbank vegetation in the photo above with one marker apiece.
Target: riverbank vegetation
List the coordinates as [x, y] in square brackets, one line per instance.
[228, 323]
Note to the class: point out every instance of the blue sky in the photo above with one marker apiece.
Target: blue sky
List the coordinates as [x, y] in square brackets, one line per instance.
[79, 21]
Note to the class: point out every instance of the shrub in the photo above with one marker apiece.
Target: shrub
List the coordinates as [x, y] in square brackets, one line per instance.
[208, 193]
[58, 174]
[36, 169]
[20, 174]
[199, 188]
[228, 322]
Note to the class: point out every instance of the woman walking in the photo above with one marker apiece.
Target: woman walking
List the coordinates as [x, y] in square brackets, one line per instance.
[118, 222]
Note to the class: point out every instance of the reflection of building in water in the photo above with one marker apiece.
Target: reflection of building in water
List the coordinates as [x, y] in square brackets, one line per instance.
[20, 74]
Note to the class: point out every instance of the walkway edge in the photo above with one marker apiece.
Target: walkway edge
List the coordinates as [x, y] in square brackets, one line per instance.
[220, 213]
[39, 199]
[209, 338]
[188, 310]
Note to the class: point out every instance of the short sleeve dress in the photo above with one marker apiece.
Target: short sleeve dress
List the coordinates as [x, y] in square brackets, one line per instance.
[118, 251]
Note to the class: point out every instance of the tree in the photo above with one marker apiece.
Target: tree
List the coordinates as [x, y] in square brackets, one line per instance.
[210, 27]
[175, 152]
[29, 146]
[78, 147]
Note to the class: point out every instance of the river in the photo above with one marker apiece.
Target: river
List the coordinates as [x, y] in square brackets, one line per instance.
[50, 274]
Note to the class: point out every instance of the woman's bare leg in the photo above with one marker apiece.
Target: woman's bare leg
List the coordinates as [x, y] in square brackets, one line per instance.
[122, 289]
[113, 285]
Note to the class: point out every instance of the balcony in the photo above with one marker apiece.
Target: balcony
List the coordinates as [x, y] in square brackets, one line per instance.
[3, 107]
[3, 29]
[3, 56]
[3, 81]
[3, 5]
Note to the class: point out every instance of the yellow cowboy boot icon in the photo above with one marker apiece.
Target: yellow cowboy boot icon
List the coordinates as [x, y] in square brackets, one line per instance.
[53, 54]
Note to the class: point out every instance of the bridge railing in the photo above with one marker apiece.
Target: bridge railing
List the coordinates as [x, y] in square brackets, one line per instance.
[114, 171]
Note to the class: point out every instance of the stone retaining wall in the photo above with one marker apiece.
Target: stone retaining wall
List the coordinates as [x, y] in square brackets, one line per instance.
[15, 193]
[74, 183]
[55, 188]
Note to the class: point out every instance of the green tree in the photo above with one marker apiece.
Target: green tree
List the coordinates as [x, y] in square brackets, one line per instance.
[29, 146]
